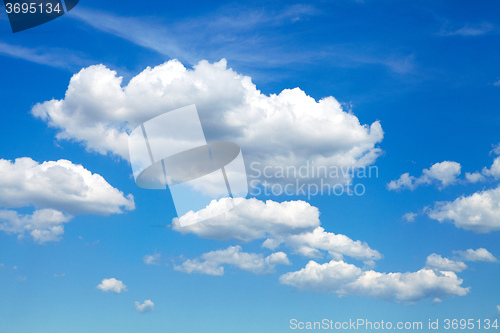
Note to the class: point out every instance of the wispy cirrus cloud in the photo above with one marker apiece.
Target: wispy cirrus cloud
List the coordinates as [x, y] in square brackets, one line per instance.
[136, 30]
[53, 57]
[151, 259]
[240, 35]
[225, 34]
[470, 30]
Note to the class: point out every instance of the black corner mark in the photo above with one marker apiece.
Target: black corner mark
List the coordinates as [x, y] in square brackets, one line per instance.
[70, 4]
[26, 14]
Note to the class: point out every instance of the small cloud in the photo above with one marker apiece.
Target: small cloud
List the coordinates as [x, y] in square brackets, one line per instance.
[410, 217]
[474, 177]
[22, 278]
[437, 300]
[151, 259]
[435, 261]
[211, 263]
[494, 170]
[497, 84]
[496, 148]
[480, 254]
[442, 174]
[59, 275]
[477, 212]
[469, 30]
[498, 308]
[112, 285]
[147, 306]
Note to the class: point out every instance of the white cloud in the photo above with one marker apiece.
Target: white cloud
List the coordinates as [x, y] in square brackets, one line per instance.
[346, 279]
[443, 174]
[435, 261]
[496, 148]
[335, 244]
[404, 181]
[410, 217]
[58, 189]
[480, 254]
[479, 212]
[498, 308]
[211, 263]
[497, 84]
[295, 224]
[474, 177]
[151, 259]
[287, 129]
[251, 219]
[277, 258]
[146, 306]
[494, 170]
[446, 173]
[112, 285]
[44, 225]
[59, 185]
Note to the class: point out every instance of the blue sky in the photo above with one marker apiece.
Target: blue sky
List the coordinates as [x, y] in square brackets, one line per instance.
[424, 75]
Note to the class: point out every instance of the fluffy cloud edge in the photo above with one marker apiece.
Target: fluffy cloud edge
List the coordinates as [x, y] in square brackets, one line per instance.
[59, 185]
[344, 279]
[146, 306]
[112, 285]
[294, 224]
[99, 112]
[43, 225]
[443, 174]
[212, 263]
[478, 212]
